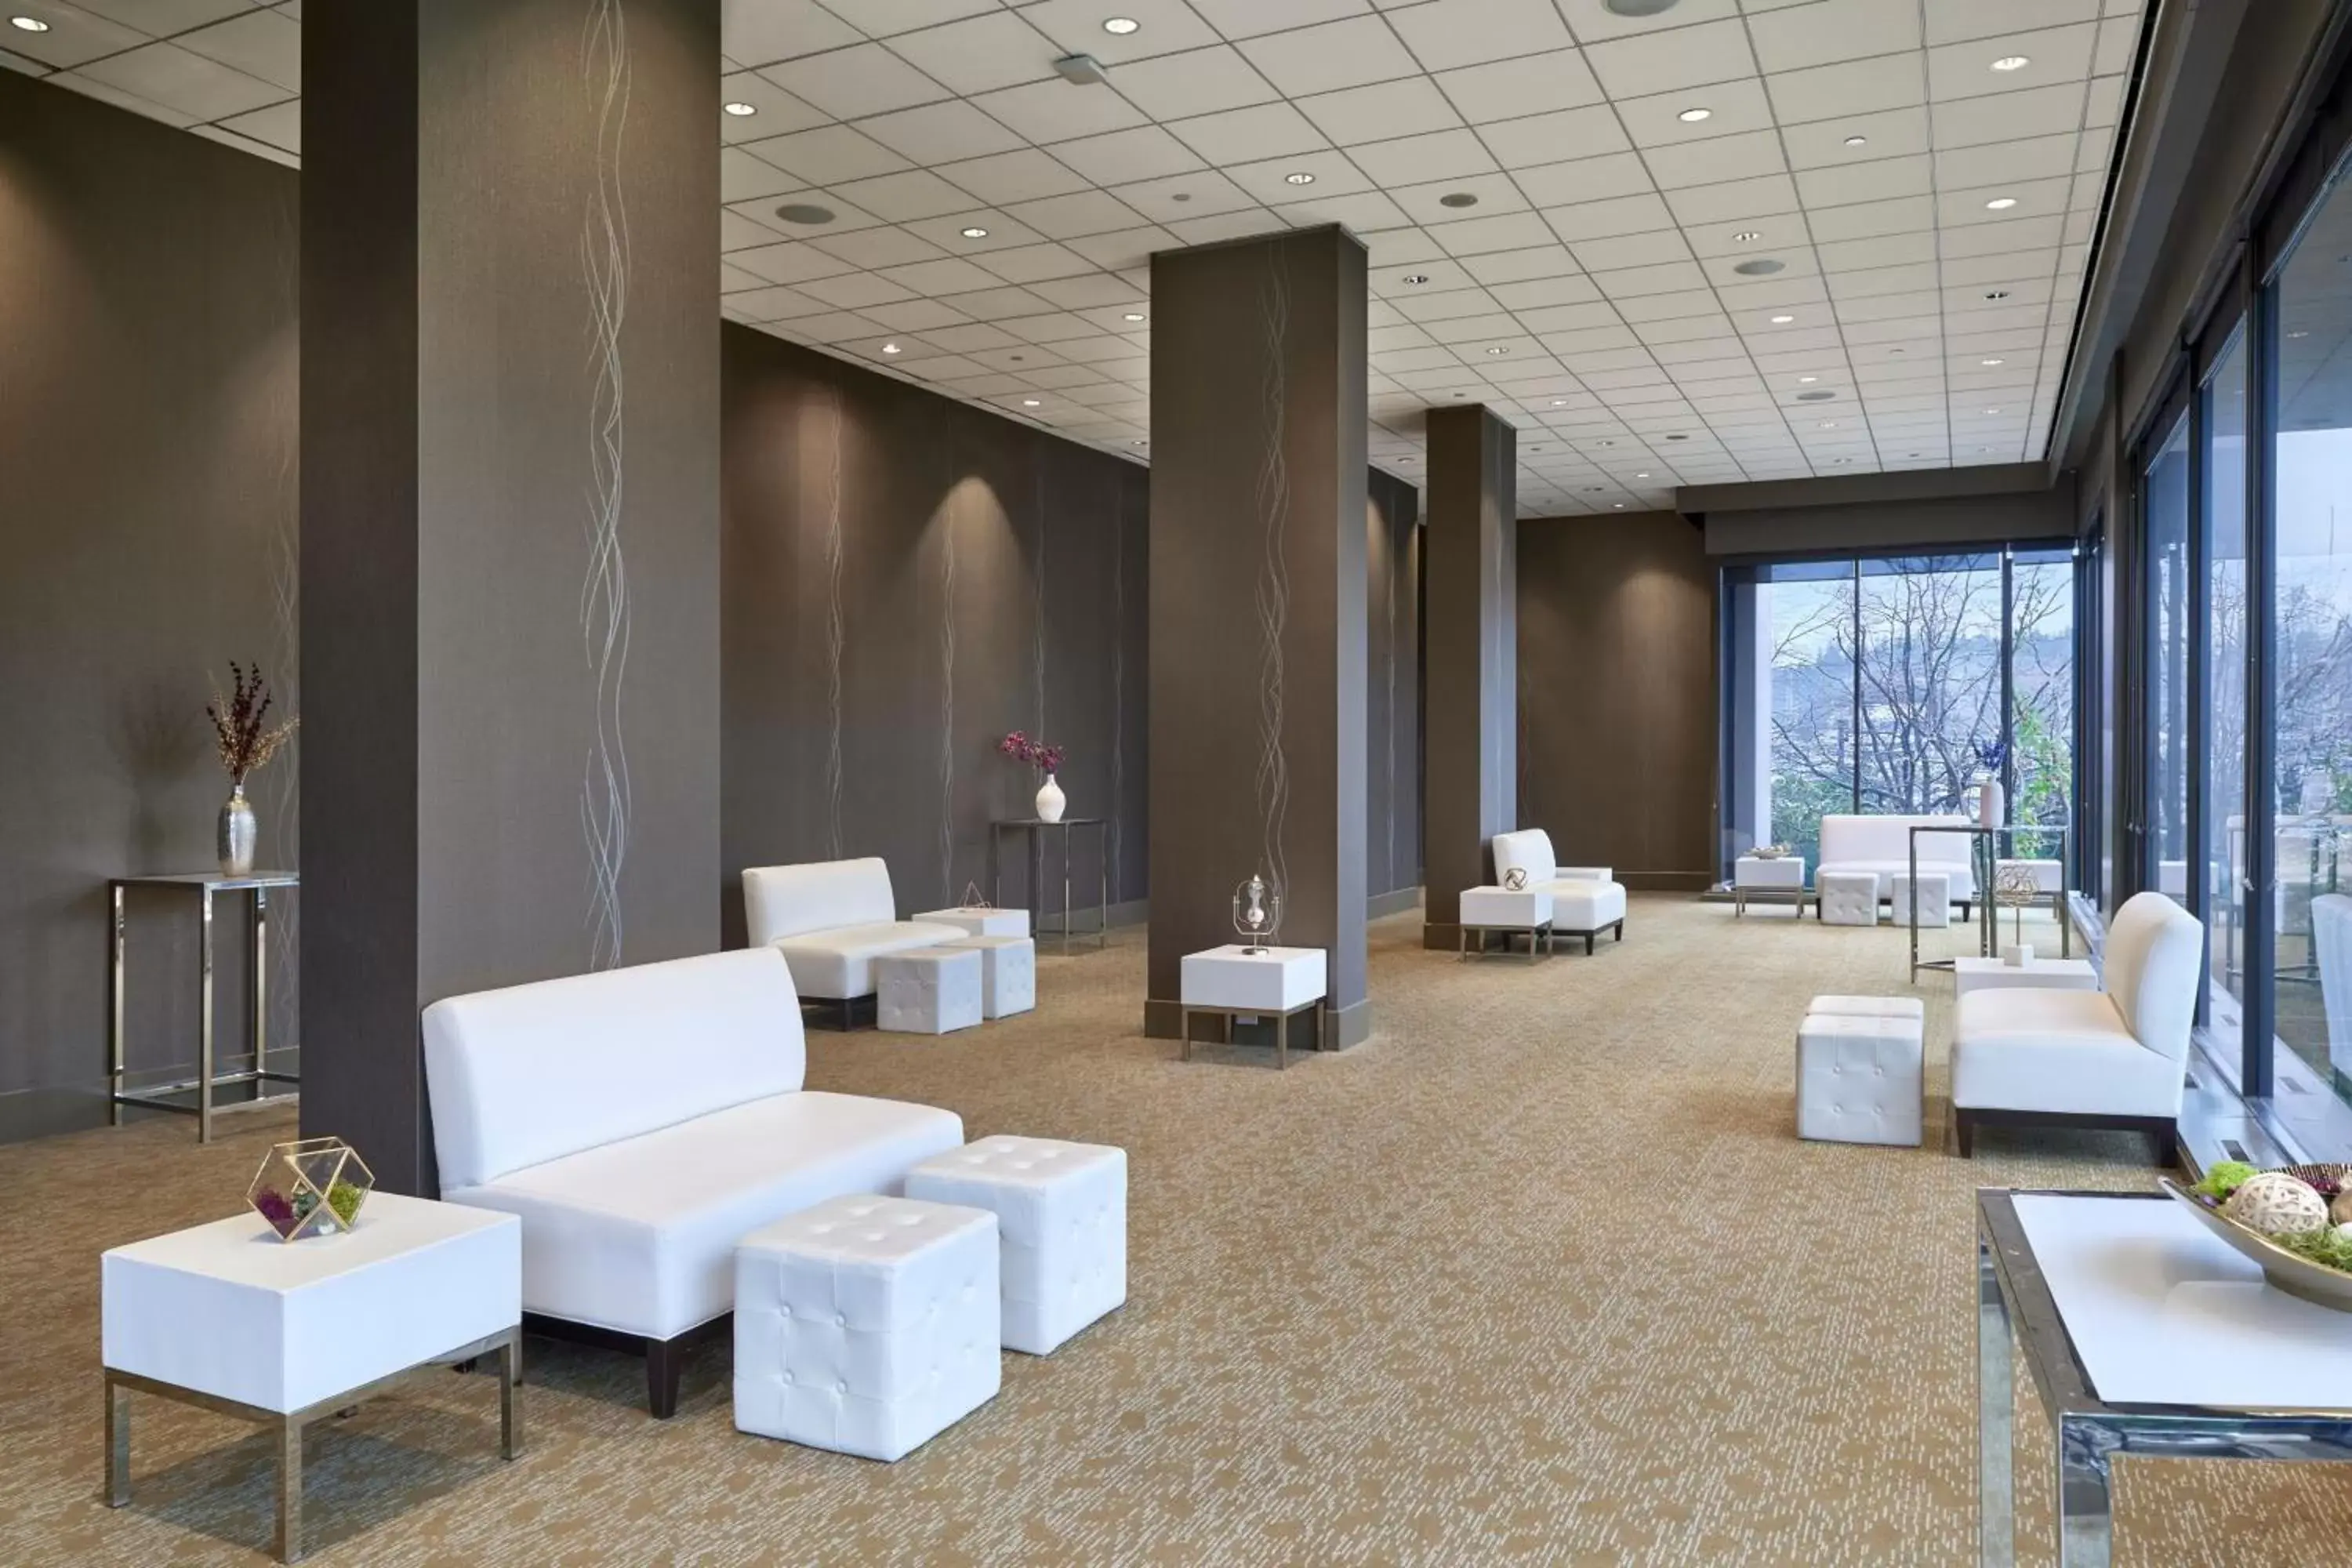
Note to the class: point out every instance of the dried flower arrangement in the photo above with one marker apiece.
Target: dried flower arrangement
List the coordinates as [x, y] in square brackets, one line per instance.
[239, 720]
[1036, 753]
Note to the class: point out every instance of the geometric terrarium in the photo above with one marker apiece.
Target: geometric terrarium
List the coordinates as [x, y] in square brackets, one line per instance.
[312, 1186]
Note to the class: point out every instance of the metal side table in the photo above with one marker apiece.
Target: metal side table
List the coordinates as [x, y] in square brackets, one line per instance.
[2144, 1336]
[1038, 830]
[1984, 865]
[207, 886]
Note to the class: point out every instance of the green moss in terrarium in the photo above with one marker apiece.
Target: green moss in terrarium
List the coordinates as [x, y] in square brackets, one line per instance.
[2226, 1177]
[345, 1199]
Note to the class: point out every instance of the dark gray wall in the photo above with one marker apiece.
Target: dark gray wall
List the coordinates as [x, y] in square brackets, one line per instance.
[498, 543]
[2042, 513]
[147, 512]
[1617, 695]
[908, 579]
[1258, 602]
[1392, 688]
[1473, 665]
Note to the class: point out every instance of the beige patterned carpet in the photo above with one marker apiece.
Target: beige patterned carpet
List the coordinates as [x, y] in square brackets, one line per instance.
[1538, 1274]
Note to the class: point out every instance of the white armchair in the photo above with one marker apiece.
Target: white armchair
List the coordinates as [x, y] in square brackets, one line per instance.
[2116, 1057]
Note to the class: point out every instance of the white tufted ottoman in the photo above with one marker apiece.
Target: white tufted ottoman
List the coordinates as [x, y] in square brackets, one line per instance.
[1847, 898]
[1008, 972]
[1935, 898]
[866, 1325]
[928, 991]
[1909, 1007]
[1859, 1080]
[1061, 1212]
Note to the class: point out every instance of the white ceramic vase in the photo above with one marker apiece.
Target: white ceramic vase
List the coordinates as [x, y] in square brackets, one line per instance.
[1050, 800]
[1992, 803]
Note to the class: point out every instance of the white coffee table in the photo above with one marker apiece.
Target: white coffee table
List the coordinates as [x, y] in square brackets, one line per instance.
[229, 1317]
[2042, 974]
[1252, 983]
[1780, 879]
[980, 920]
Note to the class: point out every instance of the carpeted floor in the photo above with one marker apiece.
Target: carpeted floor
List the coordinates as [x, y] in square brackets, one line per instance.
[1540, 1273]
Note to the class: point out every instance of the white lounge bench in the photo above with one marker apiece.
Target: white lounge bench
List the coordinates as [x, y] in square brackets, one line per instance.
[1881, 846]
[640, 1122]
[831, 919]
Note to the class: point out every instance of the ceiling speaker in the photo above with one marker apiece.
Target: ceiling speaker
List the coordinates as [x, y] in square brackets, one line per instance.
[1637, 7]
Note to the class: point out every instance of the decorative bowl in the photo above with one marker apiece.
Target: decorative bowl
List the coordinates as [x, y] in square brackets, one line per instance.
[2297, 1276]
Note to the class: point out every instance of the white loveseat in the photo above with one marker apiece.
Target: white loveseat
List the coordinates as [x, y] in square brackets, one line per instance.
[641, 1121]
[1882, 846]
[1585, 899]
[831, 919]
[2114, 1057]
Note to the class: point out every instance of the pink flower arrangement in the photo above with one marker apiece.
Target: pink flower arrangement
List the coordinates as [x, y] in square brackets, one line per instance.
[1036, 753]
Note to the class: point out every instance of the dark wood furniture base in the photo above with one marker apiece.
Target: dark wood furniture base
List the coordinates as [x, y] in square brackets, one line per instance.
[664, 1358]
[2163, 1132]
[841, 1014]
[1593, 936]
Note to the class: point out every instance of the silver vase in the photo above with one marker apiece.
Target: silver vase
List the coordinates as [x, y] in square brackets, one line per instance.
[238, 835]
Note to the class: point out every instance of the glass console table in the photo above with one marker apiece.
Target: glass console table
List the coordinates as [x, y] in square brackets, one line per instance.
[1984, 864]
[1037, 831]
[207, 886]
[2144, 1336]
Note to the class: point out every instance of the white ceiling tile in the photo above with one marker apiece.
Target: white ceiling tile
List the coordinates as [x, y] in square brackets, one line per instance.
[260, 44]
[186, 84]
[1248, 19]
[1654, 248]
[939, 134]
[1869, 220]
[1673, 60]
[999, 304]
[1047, 112]
[1585, 180]
[1854, 86]
[1446, 34]
[1167, 26]
[847, 83]
[879, 246]
[774, 111]
[1569, 134]
[1004, 178]
[790, 262]
[881, 19]
[1381, 113]
[1732, 107]
[1594, 20]
[1952, 21]
[1512, 90]
[1202, 193]
[1478, 236]
[981, 53]
[1079, 213]
[1753, 155]
[1126, 248]
[758, 32]
[1879, 180]
[1600, 219]
[1832, 30]
[1031, 263]
[1270, 181]
[281, 125]
[1203, 81]
[1737, 199]
[77, 82]
[935, 279]
[152, 18]
[1548, 261]
[826, 155]
[1416, 160]
[850, 290]
[904, 197]
[1362, 211]
[1335, 55]
[1993, 163]
[1636, 281]
[1244, 135]
[1459, 199]
[1888, 133]
[1144, 153]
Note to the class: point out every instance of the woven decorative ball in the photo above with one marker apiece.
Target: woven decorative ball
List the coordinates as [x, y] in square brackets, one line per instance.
[2340, 1211]
[2276, 1204]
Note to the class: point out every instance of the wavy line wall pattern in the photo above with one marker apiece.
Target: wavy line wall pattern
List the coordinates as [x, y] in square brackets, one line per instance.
[1272, 592]
[604, 794]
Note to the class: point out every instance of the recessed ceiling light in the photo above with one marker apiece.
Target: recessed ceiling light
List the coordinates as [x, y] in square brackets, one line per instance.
[1560, 403]
[1416, 278]
[805, 212]
[1497, 352]
[1461, 394]
[1782, 321]
[1807, 380]
[1301, 178]
[1138, 443]
[1641, 476]
[1992, 411]
[1594, 490]
[1841, 460]
[738, 109]
[975, 232]
[1120, 26]
[1609, 443]
[1457, 199]
[1618, 504]
[2000, 204]
[1989, 363]
[1404, 459]
[1693, 116]
[1028, 403]
[1746, 236]
[1829, 424]
[1132, 316]
[29, 23]
[889, 348]
[1856, 141]
[1989, 294]
[2013, 63]
[2298, 334]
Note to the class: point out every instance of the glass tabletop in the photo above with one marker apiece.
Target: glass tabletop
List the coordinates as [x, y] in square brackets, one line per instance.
[219, 881]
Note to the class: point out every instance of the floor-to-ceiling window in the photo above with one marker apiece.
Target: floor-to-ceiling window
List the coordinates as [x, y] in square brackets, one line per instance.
[2306, 808]
[1896, 684]
[2222, 840]
[2167, 552]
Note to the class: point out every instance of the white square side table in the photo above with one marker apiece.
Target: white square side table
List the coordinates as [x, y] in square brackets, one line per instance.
[982, 920]
[2042, 974]
[1515, 912]
[229, 1317]
[1245, 983]
[1781, 878]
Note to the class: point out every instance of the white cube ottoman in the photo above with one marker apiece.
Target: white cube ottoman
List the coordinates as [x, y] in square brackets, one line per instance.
[1525, 912]
[866, 1325]
[1061, 1219]
[1859, 1080]
[982, 920]
[1847, 898]
[1909, 1007]
[1008, 972]
[1934, 899]
[1586, 908]
[928, 991]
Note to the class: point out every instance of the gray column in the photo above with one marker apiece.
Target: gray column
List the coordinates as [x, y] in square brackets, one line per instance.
[1257, 584]
[1471, 559]
[510, 417]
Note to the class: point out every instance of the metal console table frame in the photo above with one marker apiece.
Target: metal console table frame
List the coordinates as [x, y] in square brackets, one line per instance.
[1985, 864]
[286, 1426]
[1539, 941]
[2091, 1434]
[206, 886]
[1037, 829]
